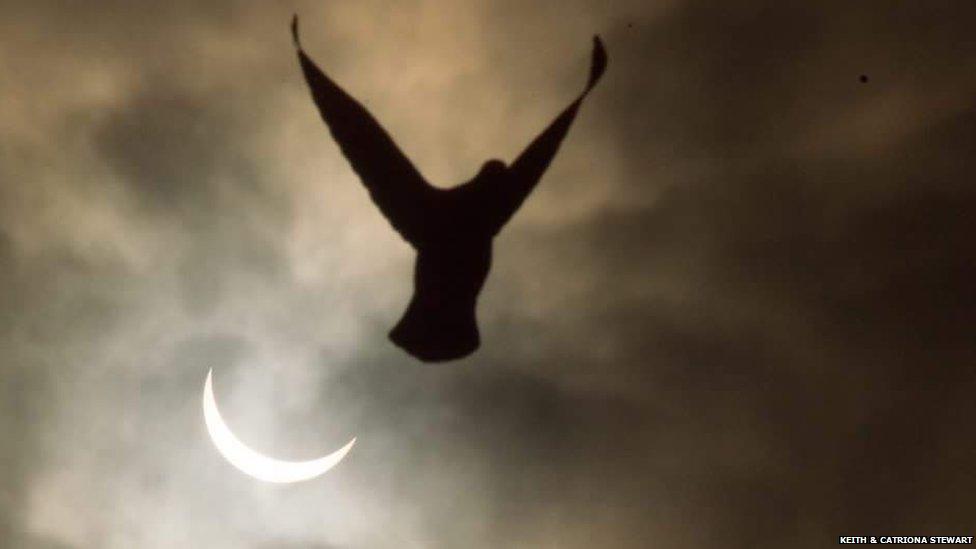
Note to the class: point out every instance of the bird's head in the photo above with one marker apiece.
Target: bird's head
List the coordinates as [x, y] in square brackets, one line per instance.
[492, 167]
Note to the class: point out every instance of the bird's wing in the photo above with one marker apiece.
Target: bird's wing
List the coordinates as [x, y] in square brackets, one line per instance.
[526, 170]
[394, 184]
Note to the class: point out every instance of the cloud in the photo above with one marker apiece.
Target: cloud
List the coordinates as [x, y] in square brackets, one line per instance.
[735, 313]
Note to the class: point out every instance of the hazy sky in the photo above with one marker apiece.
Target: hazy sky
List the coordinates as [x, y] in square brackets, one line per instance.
[737, 312]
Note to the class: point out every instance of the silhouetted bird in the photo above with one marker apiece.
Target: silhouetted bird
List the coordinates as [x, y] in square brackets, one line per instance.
[451, 229]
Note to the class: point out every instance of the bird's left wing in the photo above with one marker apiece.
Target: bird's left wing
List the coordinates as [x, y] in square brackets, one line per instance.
[394, 184]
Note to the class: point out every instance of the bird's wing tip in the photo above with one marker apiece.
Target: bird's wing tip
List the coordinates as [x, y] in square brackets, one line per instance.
[599, 62]
[598, 46]
[294, 31]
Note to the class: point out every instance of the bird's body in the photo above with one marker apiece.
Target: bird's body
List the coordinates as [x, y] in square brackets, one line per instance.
[439, 323]
[451, 229]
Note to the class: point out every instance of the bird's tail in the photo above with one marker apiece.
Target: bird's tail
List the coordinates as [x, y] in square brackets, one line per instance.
[437, 334]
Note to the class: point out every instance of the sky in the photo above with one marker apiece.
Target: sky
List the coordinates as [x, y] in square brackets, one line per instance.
[736, 312]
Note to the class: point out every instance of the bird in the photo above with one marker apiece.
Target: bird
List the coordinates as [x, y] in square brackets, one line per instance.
[451, 229]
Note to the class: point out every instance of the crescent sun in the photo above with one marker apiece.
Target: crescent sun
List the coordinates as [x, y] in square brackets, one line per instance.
[253, 463]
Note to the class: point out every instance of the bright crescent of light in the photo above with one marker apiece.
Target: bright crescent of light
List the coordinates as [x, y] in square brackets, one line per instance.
[254, 464]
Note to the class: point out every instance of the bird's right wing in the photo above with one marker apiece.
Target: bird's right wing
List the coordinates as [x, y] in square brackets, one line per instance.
[394, 184]
[526, 170]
